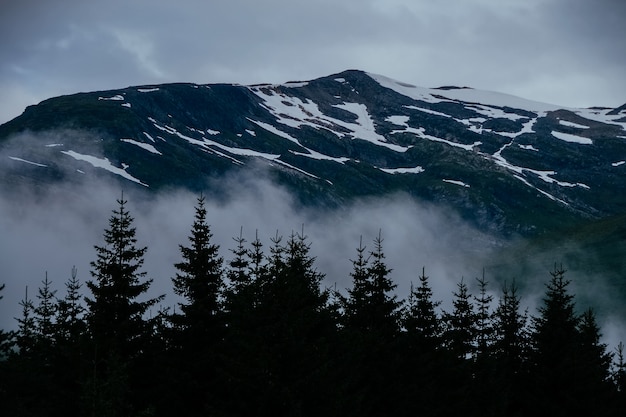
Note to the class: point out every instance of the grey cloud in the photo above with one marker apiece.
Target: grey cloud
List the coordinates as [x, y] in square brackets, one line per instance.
[53, 232]
[559, 51]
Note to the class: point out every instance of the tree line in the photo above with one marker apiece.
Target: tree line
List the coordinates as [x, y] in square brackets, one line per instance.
[258, 334]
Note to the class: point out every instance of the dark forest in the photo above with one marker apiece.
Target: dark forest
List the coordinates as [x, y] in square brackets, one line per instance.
[258, 334]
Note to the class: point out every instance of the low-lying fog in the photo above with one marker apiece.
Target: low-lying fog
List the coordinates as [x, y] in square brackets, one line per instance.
[53, 232]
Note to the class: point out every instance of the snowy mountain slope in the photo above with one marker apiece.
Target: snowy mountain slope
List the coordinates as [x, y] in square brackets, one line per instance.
[508, 164]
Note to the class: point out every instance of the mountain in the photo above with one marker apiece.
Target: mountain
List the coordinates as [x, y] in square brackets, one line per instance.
[508, 165]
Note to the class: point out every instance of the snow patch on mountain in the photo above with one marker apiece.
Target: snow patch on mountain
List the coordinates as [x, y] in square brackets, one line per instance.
[494, 112]
[545, 176]
[143, 145]
[528, 147]
[296, 169]
[411, 91]
[550, 196]
[429, 111]
[104, 163]
[415, 170]
[320, 156]
[364, 127]
[601, 115]
[457, 182]
[465, 95]
[296, 84]
[572, 124]
[294, 112]
[242, 151]
[275, 131]
[116, 97]
[15, 158]
[420, 133]
[398, 120]
[572, 138]
[175, 132]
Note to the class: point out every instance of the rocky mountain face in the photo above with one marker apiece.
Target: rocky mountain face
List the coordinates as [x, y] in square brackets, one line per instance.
[508, 165]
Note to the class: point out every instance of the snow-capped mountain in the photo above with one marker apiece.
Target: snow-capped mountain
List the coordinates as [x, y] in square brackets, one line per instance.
[509, 165]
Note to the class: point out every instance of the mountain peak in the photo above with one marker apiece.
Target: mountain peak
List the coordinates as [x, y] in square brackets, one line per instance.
[497, 159]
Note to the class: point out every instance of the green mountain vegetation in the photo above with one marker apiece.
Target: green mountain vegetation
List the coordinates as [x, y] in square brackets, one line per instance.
[509, 166]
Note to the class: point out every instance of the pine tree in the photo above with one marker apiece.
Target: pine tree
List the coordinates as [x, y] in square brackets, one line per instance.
[238, 275]
[371, 305]
[200, 281]
[484, 328]
[460, 330]
[70, 312]
[358, 294]
[306, 328]
[483, 366]
[619, 378]
[371, 319]
[420, 320]
[69, 353]
[116, 322]
[594, 363]
[423, 365]
[239, 295]
[5, 348]
[116, 315]
[30, 374]
[44, 317]
[26, 333]
[511, 336]
[275, 267]
[257, 267]
[200, 324]
[510, 352]
[6, 338]
[245, 315]
[556, 341]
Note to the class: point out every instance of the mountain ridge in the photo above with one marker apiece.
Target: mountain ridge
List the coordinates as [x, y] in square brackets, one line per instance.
[509, 165]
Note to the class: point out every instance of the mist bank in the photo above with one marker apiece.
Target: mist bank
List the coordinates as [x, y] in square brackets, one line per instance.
[52, 230]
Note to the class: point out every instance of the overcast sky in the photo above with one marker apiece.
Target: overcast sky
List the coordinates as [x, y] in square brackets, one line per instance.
[567, 52]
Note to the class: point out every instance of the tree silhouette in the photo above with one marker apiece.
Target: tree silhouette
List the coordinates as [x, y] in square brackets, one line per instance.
[116, 323]
[371, 319]
[70, 313]
[27, 327]
[420, 320]
[423, 368]
[484, 326]
[69, 356]
[6, 338]
[594, 363]
[556, 342]
[460, 330]
[45, 312]
[510, 351]
[199, 281]
[371, 306]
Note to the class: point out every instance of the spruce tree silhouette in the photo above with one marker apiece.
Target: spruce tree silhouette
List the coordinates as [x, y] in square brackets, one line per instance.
[117, 327]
